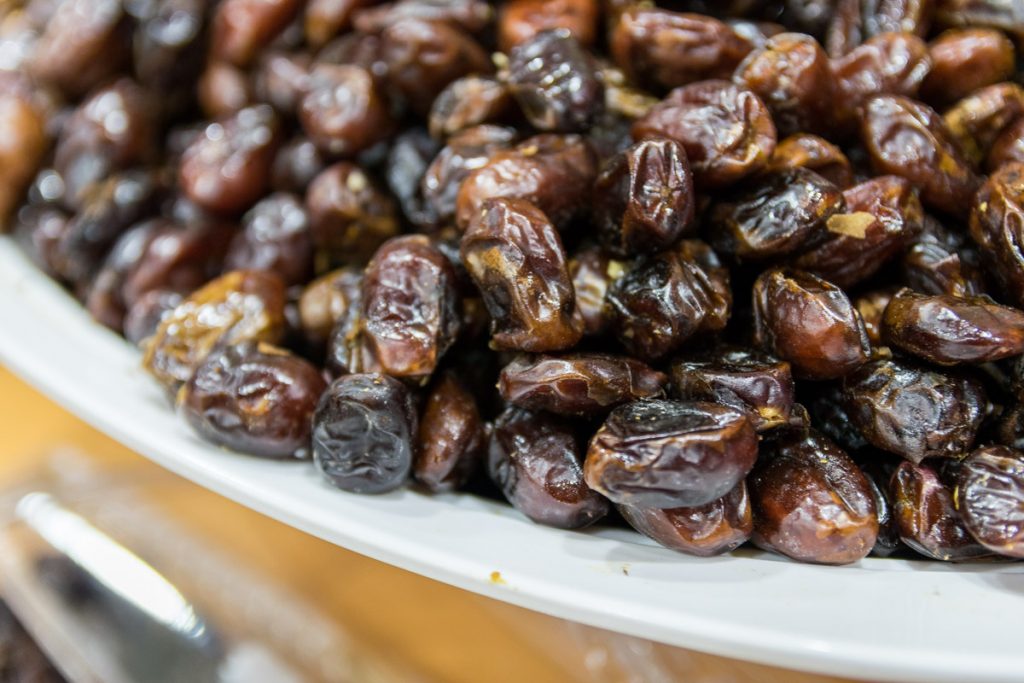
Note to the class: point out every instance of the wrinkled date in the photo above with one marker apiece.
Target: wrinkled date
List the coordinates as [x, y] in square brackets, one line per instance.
[410, 307]
[643, 198]
[241, 306]
[888, 64]
[467, 102]
[520, 20]
[997, 226]
[343, 111]
[254, 398]
[990, 498]
[746, 379]
[666, 454]
[940, 262]
[726, 129]
[965, 60]
[555, 82]
[326, 300]
[452, 436]
[773, 215]
[593, 272]
[275, 236]
[926, 517]
[912, 411]
[882, 216]
[810, 323]
[977, 121]
[554, 172]
[667, 298]
[706, 530]
[577, 384]
[811, 502]
[516, 259]
[364, 429]
[534, 459]
[804, 150]
[793, 76]
[909, 139]
[948, 330]
[663, 49]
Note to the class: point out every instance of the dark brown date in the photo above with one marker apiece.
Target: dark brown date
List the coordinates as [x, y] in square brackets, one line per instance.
[326, 300]
[726, 129]
[324, 19]
[228, 167]
[712, 529]
[465, 152]
[241, 28]
[909, 139]
[939, 262]
[423, 57]
[364, 430]
[534, 459]
[410, 307]
[297, 162]
[662, 49]
[990, 499]
[926, 516]
[144, 316]
[913, 411]
[792, 75]
[343, 112]
[593, 273]
[516, 258]
[237, 307]
[745, 379]
[254, 398]
[84, 43]
[554, 172]
[223, 89]
[809, 322]
[667, 298]
[965, 60]
[887, 64]
[275, 236]
[804, 150]
[811, 502]
[883, 215]
[773, 215]
[577, 384]
[643, 198]
[668, 454]
[350, 217]
[997, 226]
[281, 79]
[451, 439]
[555, 82]
[113, 129]
[977, 121]
[1008, 147]
[855, 21]
[469, 101]
[521, 20]
[948, 330]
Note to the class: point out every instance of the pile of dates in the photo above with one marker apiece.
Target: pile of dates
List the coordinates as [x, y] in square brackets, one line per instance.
[725, 271]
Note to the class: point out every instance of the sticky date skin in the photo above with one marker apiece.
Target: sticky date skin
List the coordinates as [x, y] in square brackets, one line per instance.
[810, 323]
[811, 502]
[726, 129]
[411, 313]
[643, 198]
[926, 516]
[577, 384]
[534, 460]
[997, 226]
[666, 454]
[255, 399]
[912, 411]
[516, 259]
[746, 379]
[947, 330]
[452, 436]
[990, 498]
[706, 530]
[363, 433]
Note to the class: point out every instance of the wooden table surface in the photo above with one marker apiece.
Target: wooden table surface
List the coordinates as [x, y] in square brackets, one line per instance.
[446, 633]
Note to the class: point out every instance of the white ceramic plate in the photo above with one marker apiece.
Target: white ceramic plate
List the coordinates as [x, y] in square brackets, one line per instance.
[879, 619]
